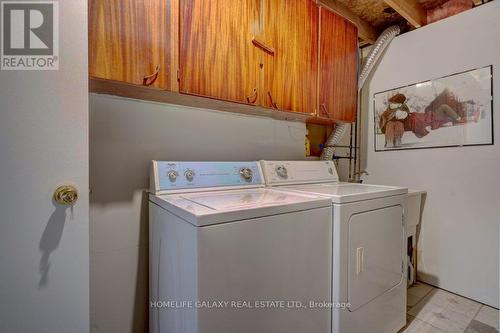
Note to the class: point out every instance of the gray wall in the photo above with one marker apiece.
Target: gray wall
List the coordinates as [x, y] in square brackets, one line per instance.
[125, 136]
[458, 246]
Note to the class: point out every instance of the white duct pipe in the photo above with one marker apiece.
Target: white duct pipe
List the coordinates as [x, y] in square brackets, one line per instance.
[378, 48]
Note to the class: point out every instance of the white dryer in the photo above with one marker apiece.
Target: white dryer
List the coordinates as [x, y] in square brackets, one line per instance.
[228, 255]
[369, 244]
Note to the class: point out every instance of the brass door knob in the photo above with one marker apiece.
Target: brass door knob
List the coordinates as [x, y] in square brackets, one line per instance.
[66, 195]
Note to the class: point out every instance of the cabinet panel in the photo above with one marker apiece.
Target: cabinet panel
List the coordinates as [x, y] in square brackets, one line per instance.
[338, 78]
[290, 29]
[217, 58]
[128, 40]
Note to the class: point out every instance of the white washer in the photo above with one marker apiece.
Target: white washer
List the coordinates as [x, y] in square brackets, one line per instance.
[369, 244]
[218, 235]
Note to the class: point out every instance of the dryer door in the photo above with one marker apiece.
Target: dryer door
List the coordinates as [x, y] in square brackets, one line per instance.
[376, 250]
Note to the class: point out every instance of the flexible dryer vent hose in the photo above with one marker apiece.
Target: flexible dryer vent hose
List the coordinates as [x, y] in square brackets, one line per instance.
[378, 48]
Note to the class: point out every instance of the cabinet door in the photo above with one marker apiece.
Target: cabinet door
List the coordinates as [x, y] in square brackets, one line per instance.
[128, 40]
[290, 30]
[216, 55]
[338, 87]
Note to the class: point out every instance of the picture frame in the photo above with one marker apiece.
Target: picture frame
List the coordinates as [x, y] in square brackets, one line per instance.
[451, 111]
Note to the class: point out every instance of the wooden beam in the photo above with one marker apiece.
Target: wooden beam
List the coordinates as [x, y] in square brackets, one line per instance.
[365, 30]
[411, 10]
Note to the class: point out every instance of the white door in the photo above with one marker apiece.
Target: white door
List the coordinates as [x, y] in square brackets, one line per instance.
[376, 247]
[44, 247]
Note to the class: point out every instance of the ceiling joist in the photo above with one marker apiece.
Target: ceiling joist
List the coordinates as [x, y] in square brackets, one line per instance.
[365, 30]
[411, 10]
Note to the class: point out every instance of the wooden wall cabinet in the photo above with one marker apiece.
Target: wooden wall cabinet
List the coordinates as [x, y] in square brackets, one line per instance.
[216, 55]
[128, 41]
[338, 68]
[251, 51]
[290, 28]
[290, 55]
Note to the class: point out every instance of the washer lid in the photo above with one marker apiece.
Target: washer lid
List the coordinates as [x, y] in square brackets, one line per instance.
[215, 207]
[349, 192]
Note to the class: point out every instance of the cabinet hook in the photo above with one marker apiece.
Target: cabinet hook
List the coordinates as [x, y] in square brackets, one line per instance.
[149, 80]
[322, 107]
[253, 96]
[263, 46]
[273, 103]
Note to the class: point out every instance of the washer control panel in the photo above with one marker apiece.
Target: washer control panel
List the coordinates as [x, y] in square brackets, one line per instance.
[299, 172]
[174, 176]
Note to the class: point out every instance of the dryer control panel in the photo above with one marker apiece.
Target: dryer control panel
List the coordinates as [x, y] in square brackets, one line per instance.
[299, 172]
[171, 177]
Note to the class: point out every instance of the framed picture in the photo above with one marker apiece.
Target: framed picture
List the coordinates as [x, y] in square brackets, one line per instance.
[456, 110]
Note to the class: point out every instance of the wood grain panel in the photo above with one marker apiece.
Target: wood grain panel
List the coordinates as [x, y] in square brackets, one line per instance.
[338, 79]
[128, 39]
[217, 57]
[290, 27]
[172, 49]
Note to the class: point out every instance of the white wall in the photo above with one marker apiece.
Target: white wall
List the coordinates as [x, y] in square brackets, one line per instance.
[459, 237]
[44, 248]
[125, 136]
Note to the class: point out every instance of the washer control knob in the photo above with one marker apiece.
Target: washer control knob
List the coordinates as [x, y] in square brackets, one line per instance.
[172, 175]
[330, 171]
[189, 175]
[282, 172]
[246, 174]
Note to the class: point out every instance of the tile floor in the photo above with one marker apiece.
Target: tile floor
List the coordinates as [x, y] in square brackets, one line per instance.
[432, 310]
